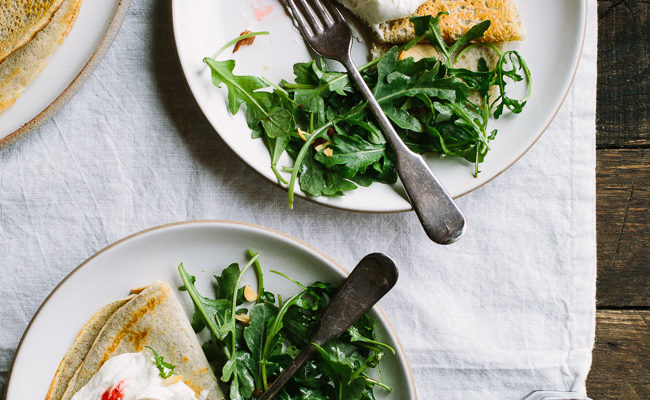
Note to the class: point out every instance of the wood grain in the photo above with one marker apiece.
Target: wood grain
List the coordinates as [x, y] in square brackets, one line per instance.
[620, 367]
[623, 117]
[621, 358]
[623, 227]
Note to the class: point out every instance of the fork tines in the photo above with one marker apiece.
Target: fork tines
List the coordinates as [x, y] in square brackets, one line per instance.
[314, 16]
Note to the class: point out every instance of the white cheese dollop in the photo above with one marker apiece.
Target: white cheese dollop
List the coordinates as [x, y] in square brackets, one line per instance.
[137, 377]
[375, 12]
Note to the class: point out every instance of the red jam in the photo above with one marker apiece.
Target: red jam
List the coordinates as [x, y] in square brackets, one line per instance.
[114, 393]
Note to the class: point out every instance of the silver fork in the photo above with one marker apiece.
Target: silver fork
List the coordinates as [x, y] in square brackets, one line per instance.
[327, 32]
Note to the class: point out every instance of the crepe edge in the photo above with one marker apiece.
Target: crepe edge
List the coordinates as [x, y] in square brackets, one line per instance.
[511, 27]
[100, 317]
[71, 17]
[30, 34]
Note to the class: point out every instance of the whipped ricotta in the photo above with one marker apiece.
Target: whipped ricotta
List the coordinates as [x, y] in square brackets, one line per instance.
[133, 376]
[374, 12]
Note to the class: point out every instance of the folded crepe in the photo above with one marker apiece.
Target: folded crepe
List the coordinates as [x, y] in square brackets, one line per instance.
[153, 317]
[80, 348]
[30, 31]
[463, 14]
[505, 26]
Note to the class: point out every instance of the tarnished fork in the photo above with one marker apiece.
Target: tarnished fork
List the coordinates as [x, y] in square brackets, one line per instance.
[327, 32]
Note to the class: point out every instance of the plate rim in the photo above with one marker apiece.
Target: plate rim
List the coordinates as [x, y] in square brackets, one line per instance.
[314, 200]
[231, 223]
[585, 13]
[74, 86]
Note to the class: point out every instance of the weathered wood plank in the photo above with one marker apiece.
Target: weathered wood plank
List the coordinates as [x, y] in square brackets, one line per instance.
[620, 367]
[623, 227]
[623, 110]
[621, 358]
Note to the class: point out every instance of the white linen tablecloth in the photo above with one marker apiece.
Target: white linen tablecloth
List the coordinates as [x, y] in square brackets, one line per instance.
[508, 309]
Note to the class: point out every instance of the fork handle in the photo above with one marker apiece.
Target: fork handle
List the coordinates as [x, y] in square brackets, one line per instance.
[441, 218]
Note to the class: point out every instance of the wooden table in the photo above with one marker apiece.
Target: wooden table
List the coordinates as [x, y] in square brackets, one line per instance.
[621, 358]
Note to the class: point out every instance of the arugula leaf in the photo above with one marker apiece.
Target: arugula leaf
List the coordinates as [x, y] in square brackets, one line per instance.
[242, 383]
[475, 32]
[402, 118]
[427, 100]
[517, 62]
[255, 335]
[237, 369]
[227, 281]
[428, 27]
[309, 100]
[236, 40]
[352, 152]
[252, 355]
[240, 88]
[312, 177]
[340, 362]
[374, 134]
[278, 124]
[207, 312]
[311, 394]
[357, 336]
[275, 325]
[316, 183]
[165, 368]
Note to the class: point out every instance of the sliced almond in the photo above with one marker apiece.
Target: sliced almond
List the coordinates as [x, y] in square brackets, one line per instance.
[244, 42]
[243, 318]
[249, 294]
[172, 379]
[303, 135]
[320, 147]
[418, 52]
[328, 152]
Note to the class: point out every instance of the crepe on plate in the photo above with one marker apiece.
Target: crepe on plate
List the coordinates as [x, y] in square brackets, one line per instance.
[463, 14]
[153, 317]
[505, 26]
[30, 31]
[504, 16]
[20, 20]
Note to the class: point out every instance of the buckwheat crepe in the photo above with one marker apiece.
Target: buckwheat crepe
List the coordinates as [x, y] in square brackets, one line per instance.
[463, 14]
[81, 346]
[19, 65]
[505, 26]
[153, 317]
[21, 19]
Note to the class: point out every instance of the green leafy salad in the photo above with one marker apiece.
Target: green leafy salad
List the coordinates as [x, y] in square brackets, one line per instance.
[255, 335]
[323, 123]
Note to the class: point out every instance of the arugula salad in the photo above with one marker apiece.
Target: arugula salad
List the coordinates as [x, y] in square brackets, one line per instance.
[322, 123]
[254, 336]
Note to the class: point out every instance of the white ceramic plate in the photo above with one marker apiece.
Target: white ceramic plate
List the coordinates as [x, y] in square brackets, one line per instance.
[203, 247]
[90, 37]
[552, 50]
